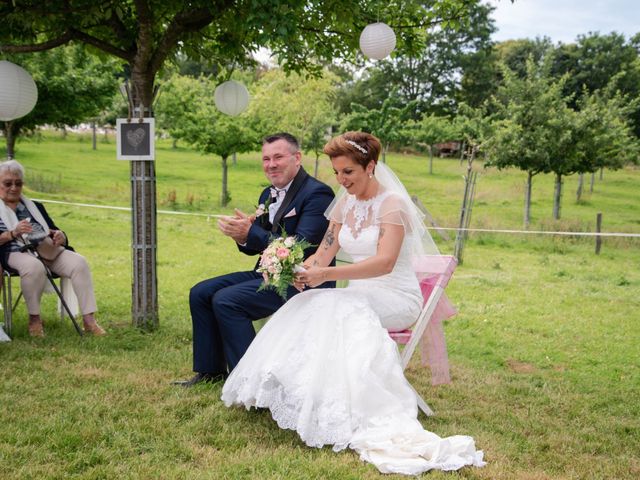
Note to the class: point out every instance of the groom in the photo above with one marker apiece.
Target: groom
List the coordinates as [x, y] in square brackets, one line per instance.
[223, 308]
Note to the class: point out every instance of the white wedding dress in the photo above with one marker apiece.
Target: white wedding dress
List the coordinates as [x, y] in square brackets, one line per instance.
[326, 367]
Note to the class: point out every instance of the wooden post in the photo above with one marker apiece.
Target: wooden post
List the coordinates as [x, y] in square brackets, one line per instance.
[144, 304]
[598, 230]
[467, 204]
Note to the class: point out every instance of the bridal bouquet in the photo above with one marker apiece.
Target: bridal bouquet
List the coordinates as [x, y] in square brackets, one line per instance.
[280, 261]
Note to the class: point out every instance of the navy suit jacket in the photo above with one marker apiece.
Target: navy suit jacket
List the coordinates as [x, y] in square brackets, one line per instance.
[301, 214]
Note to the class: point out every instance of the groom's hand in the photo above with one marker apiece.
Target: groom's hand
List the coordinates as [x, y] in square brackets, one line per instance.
[236, 227]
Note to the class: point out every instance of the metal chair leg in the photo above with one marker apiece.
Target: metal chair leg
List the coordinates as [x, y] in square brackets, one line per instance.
[7, 303]
[15, 304]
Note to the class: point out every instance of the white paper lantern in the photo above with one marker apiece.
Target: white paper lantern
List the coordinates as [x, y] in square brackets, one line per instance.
[231, 97]
[18, 91]
[377, 40]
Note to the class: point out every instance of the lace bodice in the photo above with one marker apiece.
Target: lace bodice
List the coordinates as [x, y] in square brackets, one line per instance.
[358, 238]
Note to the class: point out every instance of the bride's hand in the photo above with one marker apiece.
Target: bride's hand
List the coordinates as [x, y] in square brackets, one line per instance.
[311, 277]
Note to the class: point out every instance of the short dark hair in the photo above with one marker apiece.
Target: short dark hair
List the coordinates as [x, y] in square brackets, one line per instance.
[287, 137]
[361, 147]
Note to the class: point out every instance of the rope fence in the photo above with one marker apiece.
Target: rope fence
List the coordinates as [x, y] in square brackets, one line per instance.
[454, 229]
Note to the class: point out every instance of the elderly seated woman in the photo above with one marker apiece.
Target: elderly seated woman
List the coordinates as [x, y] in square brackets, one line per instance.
[22, 222]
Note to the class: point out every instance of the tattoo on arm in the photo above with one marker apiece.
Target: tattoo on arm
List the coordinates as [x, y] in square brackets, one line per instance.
[329, 238]
[380, 235]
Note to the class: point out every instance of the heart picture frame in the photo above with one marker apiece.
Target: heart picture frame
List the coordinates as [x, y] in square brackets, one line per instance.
[135, 139]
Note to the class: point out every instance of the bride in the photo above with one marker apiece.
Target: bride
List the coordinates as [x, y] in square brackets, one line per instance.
[324, 364]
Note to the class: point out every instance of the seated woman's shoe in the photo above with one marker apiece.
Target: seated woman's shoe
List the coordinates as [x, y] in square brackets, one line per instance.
[36, 328]
[94, 329]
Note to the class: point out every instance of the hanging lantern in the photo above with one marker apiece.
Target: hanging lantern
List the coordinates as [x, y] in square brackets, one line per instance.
[377, 40]
[18, 91]
[231, 97]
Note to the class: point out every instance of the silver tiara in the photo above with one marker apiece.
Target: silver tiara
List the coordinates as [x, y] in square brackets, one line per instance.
[362, 149]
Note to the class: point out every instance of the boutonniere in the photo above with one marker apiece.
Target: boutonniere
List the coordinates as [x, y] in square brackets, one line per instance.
[263, 207]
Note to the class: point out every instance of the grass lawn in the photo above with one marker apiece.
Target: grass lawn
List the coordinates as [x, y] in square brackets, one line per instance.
[544, 352]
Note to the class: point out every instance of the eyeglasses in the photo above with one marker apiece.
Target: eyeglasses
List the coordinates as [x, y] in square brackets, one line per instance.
[9, 183]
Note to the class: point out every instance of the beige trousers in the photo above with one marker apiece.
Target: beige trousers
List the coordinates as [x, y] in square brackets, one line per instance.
[33, 278]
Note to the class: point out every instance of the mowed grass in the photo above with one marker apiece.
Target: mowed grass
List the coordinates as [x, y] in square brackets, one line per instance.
[544, 350]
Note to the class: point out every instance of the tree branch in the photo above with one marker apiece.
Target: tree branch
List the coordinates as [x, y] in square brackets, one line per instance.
[186, 21]
[101, 45]
[66, 37]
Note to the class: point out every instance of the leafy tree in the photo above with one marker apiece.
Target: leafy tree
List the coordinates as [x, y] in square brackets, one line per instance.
[604, 135]
[146, 33]
[533, 126]
[187, 110]
[73, 86]
[388, 123]
[432, 129]
[598, 62]
[431, 71]
[515, 54]
[473, 127]
[293, 103]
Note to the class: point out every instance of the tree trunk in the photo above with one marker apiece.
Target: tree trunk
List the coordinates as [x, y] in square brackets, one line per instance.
[224, 197]
[527, 200]
[93, 135]
[317, 165]
[174, 143]
[384, 153]
[601, 173]
[593, 181]
[580, 187]
[144, 304]
[557, 195]
[10, 138]
[430, 160]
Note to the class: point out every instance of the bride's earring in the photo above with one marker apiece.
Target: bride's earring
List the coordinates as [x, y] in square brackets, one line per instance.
[371, 175]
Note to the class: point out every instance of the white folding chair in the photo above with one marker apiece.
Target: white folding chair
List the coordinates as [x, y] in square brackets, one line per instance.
[433, 272]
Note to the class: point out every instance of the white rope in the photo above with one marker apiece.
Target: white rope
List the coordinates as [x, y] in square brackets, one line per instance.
[484, 230]
[126, 209]
[543, 232]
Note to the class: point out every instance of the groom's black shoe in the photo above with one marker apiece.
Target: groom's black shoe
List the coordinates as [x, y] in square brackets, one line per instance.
[199, 378]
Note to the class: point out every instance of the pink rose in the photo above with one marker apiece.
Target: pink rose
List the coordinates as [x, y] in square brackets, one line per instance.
[282, 253]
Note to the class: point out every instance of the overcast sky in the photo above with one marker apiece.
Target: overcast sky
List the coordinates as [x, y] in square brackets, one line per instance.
[564, 20]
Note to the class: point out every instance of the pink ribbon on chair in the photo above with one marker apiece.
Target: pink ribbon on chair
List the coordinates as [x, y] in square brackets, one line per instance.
[434, 346]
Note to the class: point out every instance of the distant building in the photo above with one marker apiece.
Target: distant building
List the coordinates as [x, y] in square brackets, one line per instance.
[446, 149]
